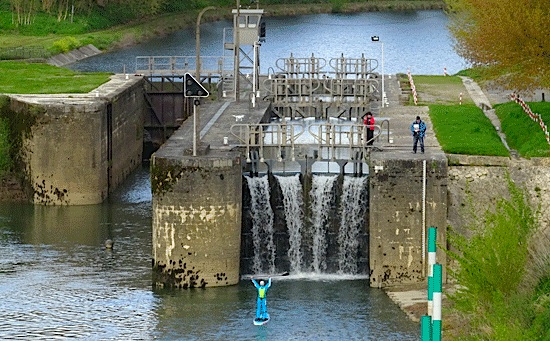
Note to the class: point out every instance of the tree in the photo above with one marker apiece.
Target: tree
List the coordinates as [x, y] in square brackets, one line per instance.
[509, 39]
[22, 11]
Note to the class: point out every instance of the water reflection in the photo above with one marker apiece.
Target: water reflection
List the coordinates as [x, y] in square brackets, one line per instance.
[57, 280]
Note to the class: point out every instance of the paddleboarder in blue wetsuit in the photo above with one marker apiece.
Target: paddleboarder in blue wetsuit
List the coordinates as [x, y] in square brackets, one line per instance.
[261, 308]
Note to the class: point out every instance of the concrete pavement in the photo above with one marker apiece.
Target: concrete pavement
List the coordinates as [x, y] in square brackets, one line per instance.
[483, 102]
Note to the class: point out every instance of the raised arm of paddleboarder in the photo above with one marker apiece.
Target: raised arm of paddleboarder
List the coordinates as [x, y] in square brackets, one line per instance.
[261, 303]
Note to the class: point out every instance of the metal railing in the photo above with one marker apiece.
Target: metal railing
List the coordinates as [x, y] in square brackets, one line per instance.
[332, 140]
[262, 135]
[179, 65]
[314, 67]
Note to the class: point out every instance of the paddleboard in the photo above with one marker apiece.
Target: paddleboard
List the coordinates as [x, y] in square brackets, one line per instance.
[260, 322]
[265, 276]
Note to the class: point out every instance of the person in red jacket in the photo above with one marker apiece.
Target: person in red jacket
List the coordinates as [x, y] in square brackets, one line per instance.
[368, 120]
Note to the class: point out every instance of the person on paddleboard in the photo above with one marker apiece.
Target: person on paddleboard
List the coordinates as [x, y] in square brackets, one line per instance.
[261, 307]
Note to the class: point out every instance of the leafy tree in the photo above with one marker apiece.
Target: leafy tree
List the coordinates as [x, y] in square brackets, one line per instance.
[508, 38]
[22, 11]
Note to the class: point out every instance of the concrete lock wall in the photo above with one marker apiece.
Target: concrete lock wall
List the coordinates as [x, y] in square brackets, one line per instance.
[397, 220]
[78, 148]
[128, 111]
[476, 183]
[197, 203]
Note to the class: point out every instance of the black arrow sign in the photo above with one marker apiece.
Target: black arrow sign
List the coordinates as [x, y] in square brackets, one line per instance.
[192, 88]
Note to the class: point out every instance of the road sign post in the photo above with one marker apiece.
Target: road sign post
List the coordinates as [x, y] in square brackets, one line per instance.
[194, 89]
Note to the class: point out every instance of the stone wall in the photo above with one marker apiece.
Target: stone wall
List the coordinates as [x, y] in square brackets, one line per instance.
[197, 203]
[476, 183]
[78, 148]
[128, 111]
[396, 217]
[467, 187]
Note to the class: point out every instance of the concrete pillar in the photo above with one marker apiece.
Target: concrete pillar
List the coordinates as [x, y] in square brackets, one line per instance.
[196, 219]
[396, 217]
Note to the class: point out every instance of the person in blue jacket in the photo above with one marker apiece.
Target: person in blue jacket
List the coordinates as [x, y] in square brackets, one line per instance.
[418, 129]
[261, 307]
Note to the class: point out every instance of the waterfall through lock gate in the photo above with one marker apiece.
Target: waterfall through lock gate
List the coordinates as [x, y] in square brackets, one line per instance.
[352, 207]
[321, 194]
[262, 224]
[292, 201]
[322, 231]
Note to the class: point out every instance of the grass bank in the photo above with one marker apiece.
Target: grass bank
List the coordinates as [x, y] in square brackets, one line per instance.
[464, 128]
[32, 78]
[522, 133]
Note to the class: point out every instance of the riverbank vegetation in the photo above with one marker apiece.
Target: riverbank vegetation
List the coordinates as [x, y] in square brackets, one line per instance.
[502, 274]
[109, 25]
[465, 129]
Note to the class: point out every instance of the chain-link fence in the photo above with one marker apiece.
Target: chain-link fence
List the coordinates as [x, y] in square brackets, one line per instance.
[25, 52]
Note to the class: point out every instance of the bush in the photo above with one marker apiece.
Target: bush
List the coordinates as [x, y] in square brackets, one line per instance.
[492, 271]
[65, 45]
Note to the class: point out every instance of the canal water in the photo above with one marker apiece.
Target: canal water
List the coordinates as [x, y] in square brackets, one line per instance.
[58, 281]
[412, 40]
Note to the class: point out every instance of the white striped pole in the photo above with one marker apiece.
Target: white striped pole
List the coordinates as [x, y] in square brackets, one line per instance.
[426, 328]
[436, 317]
[432, 238]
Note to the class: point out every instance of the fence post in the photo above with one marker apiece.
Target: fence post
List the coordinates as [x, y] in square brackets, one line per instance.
[432, 238]
[437, 294]
[426, 328]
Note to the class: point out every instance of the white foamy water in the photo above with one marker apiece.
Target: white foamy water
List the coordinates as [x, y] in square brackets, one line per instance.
[291, 188]
[262, 220]
[321, 194]
[352, 210]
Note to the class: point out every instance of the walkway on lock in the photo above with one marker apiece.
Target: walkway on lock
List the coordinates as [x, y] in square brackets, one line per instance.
[217, 117]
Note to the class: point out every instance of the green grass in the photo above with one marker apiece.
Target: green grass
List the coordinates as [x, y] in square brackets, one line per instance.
[33, 78]
[522, 133]
[464, 129]
[474, 73]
